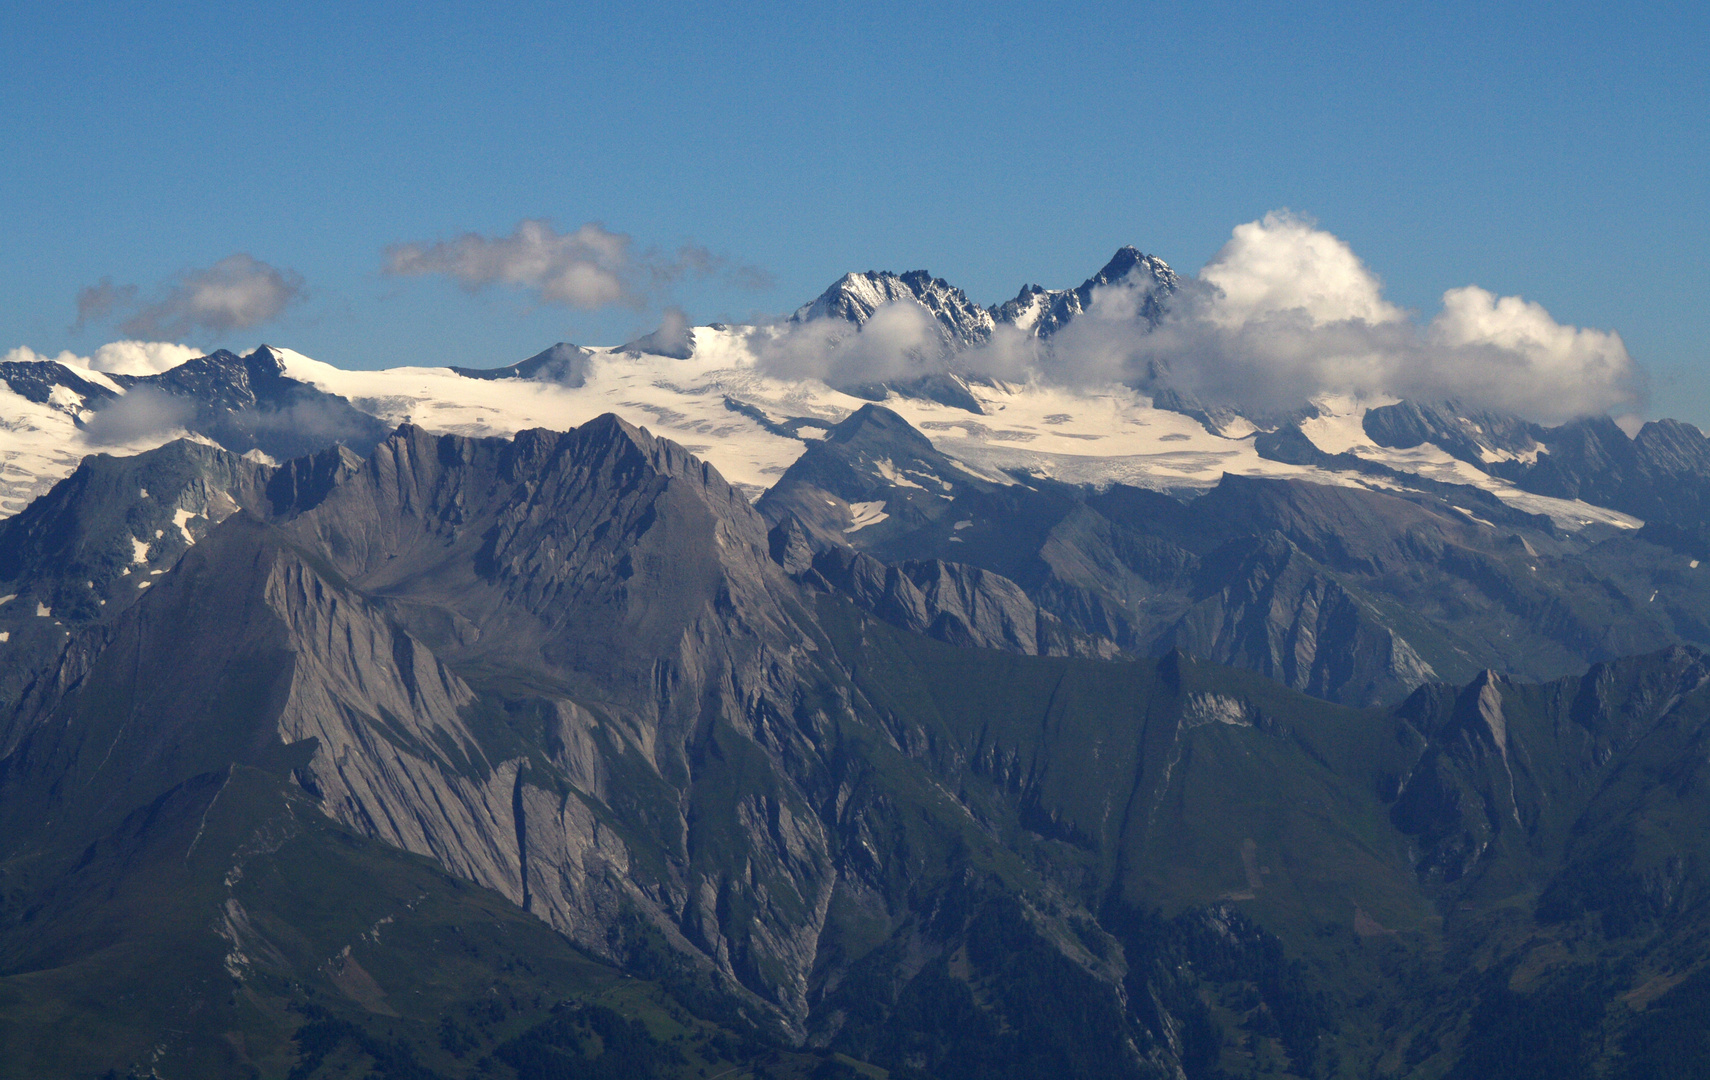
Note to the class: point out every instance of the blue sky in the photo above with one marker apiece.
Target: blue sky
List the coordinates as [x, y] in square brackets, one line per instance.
[1558, 152]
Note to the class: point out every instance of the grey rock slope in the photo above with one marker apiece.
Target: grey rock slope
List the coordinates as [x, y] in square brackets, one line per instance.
[949, 602]
[1352, 594]
[82, 554]
[577, 669]
[565, 667]
[38, 382]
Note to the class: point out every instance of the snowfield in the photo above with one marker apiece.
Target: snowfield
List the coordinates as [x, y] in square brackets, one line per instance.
[721, 405]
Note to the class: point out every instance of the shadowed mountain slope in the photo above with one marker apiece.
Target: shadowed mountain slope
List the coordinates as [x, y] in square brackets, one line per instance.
[1356, 594]
[566, 694]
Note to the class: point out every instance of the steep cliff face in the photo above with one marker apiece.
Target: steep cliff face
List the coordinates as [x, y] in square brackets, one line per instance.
[1270, 609]
[576, 668]
[614, 597]
[568, 668]
[614, 603]
[86, 551]
[950, 602]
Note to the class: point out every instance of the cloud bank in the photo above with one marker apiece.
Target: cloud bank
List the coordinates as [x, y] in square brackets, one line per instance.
[119, 357]
[1284, 313]
[589, 268]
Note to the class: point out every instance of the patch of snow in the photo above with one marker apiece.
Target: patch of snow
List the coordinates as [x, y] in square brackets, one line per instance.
[9, 597]
[42, 610]
[960, 525]
[139, 552]
[1339, 426]
[1527, 457]
[889, 472]
[99, 378]
[181, 518]
[5, 636]
[865, 514]
[1207, 708]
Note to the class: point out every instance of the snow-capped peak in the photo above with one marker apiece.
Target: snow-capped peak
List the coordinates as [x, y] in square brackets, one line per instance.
[1042, 312]
[854, 298]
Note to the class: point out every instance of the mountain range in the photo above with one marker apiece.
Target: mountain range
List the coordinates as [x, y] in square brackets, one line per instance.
[655, 713]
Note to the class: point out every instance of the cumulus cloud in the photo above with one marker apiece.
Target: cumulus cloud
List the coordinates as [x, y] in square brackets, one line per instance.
[589, 268]
[1286, 312]
[1284, 264]
[140, 357]
[118, 357]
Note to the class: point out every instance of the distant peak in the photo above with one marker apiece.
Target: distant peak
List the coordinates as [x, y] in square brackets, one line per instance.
[876, 421]
[853, 298]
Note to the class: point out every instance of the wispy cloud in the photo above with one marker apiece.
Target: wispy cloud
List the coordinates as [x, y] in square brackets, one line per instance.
[899, 340]
[236, 293]
[97, 302]
[589, 268]
[140, 414]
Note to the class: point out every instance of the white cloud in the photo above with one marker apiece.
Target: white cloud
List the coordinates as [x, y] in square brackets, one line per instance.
[1286, 312]
[1283, 264]
[900, 340]
[236, 293]
[141, 357]
[143, 413]
[583, 269]
[118, 357]
[589, 268]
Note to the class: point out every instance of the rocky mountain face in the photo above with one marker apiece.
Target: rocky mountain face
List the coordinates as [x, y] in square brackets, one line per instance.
[1657, 475]
[244, 403]
[854, 297]
[86, 551]
[584, 685]
[52, 384]
[338, 749]
[1042, 312]
[564, 667]
[1356, 595]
